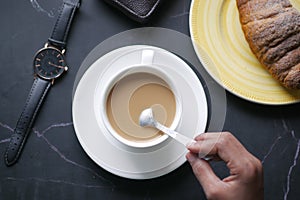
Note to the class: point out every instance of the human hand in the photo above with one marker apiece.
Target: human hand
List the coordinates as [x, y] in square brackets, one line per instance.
[245, 181]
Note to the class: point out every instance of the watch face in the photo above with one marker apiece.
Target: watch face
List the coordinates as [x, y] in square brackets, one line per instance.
[49, 63]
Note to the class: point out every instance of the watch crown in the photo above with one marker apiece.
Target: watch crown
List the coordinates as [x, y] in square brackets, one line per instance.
[66, 68]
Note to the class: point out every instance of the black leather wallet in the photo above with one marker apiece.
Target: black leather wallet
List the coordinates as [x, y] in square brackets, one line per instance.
[138, 10]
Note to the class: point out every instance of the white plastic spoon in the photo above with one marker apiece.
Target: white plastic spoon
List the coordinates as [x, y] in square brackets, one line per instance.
[147, 119]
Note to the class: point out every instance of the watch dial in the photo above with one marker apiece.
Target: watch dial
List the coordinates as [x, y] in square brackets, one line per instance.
[49, 63]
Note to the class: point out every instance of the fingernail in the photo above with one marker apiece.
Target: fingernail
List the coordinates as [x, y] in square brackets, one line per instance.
[190, 144]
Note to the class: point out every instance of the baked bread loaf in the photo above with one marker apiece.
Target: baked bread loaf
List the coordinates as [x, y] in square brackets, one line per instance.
[272, 29]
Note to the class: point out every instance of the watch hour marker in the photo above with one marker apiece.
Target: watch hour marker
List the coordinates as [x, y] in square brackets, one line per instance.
[37, 65]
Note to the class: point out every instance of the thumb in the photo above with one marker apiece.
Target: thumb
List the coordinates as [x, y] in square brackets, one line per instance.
[203, 172]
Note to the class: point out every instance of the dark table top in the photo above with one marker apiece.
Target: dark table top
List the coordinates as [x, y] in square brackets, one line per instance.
[55, 166]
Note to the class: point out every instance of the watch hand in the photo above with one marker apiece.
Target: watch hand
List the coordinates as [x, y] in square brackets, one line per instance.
[55, 65]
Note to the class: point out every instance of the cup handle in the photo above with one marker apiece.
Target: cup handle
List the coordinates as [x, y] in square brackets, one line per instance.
[147, 57]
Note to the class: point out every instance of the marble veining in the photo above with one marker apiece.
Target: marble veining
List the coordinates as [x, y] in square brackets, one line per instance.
[181, 14]
[296, 156]
[41, 134]
[6, 127]
[54, 181]
[271, 148]
[291, 169]
[36, 5]
[287, 132]
[62, 156]
[185, 11]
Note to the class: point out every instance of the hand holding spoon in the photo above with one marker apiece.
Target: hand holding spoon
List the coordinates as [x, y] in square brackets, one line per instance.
[147, 119]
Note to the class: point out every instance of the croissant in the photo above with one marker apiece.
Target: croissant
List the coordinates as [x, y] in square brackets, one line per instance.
[272, 30]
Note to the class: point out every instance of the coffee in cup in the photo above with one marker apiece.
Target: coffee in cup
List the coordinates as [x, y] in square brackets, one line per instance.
[130, 96]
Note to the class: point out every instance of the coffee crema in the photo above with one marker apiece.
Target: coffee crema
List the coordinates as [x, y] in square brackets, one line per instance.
[130, 96]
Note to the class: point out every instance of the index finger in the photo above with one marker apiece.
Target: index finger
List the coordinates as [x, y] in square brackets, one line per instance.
[222, 144]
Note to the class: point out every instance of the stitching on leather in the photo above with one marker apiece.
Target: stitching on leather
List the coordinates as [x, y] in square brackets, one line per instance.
[69, 22]
[26, 104]
[33, 117]
[133, 12]
[57, 21]
[25, 107]
[30, 123]
[40, 102]
[16, 131]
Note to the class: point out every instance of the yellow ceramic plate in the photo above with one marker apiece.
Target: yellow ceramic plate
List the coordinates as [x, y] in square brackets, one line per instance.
[220, 45]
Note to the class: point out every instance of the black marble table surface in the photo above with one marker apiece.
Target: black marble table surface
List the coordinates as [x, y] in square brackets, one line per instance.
[54, 165]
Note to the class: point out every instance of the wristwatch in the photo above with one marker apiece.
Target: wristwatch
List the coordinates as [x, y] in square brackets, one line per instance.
[49, 63]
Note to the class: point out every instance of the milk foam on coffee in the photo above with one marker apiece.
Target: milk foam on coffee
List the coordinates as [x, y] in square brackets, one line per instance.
[130, 96]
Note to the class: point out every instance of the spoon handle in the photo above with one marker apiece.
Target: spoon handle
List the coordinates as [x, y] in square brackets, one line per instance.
[180, 138]
[177, 136]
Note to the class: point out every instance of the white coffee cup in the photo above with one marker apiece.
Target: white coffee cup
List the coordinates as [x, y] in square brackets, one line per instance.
[114, 76]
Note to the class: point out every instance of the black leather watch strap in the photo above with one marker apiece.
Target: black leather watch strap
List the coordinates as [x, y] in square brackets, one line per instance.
[37, 93]
[63, 23]
[40, 86]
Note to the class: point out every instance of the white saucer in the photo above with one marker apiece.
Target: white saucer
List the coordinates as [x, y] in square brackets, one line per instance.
[125, 161]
